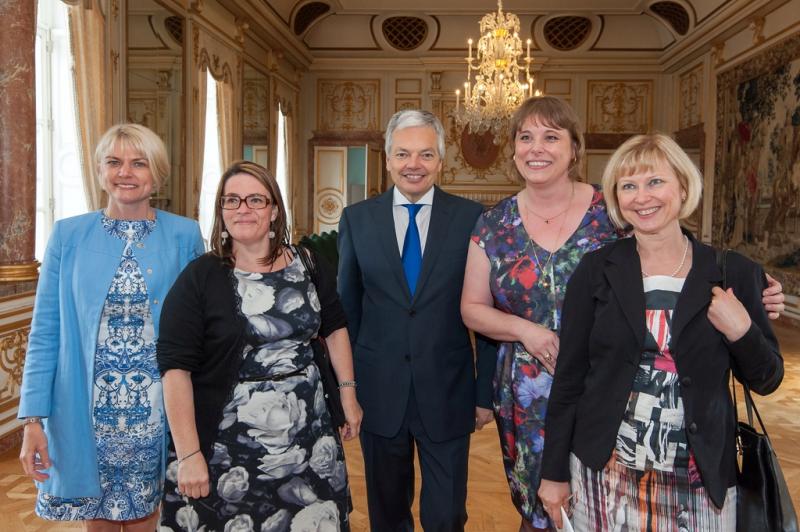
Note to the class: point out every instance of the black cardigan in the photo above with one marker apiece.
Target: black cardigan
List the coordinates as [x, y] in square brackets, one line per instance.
[601, 343]
[202, 331]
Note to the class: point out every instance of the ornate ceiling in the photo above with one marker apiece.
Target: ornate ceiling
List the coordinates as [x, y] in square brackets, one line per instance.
[439, 28]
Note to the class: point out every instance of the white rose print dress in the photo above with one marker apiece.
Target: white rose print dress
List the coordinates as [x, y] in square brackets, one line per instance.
[278, 464]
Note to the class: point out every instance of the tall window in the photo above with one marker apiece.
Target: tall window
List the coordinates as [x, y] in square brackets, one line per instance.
[282, 166]
[59, 182]
[211, 161]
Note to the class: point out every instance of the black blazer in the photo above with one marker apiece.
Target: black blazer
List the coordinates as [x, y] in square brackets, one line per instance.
[601, 343]
[398, 339]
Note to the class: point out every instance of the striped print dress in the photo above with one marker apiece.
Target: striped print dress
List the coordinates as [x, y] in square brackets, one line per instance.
[652, 482]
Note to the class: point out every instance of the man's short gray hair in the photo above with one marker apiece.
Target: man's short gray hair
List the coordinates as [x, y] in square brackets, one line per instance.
[415, 118]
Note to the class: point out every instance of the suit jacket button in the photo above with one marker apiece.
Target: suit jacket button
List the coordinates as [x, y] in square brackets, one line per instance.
[693, 427]
[686, 381]
[407, 357]
[412, 312]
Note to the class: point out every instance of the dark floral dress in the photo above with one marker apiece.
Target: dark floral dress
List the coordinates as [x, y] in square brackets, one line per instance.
[520, 287]
[278, 464]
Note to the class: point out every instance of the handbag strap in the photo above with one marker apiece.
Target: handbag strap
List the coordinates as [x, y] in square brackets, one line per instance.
[308, 262]
[750, 405]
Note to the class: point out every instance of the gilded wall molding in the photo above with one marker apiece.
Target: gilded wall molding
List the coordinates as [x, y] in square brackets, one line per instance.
[13, 346]
[690, 97]
[619, 106]
[348, 105]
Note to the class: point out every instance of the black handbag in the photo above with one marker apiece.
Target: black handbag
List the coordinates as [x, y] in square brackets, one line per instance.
[762, 497]
[322, 357]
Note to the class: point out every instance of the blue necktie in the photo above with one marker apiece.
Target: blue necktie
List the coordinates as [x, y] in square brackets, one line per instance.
[412, 248]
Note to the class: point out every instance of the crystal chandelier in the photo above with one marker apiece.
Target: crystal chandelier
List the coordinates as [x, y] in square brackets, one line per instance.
[496, 91]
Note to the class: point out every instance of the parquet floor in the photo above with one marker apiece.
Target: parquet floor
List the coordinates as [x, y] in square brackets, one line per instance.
[488, 503]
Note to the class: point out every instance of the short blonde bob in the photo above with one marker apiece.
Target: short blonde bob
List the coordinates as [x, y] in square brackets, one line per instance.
[643, 153]
[140, 139]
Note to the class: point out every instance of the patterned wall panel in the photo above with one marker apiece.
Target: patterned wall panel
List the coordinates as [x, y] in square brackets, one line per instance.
[15, 325]
[691, 98]
[348, 105]
[619, 106]
[255, 115]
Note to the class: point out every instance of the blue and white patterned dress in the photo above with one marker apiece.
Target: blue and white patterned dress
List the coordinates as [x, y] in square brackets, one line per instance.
[127, 399]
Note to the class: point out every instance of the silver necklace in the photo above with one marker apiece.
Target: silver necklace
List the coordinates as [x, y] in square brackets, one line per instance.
[683, 259]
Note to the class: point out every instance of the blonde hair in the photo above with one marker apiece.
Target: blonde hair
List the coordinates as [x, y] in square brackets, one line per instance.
[141, 139]
[642, 153]
[556, 113]
[279, 226]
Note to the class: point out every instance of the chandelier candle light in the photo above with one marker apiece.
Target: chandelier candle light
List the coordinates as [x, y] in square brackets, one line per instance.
[497, 91]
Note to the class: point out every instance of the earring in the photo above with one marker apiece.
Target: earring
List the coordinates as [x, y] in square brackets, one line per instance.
[224, 234]
[271, 234]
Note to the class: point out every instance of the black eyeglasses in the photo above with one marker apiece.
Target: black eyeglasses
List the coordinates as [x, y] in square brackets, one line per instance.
[253, 201]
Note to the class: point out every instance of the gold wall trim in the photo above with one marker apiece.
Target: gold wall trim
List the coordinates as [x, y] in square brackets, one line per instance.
[21, 295]
[26, 271]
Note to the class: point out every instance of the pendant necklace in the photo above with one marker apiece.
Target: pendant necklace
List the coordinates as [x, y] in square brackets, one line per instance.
[550, 219]
[680, 266]
[542, 269]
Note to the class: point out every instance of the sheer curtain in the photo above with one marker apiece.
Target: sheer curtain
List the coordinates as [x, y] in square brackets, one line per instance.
[87, 33]
[212, 158]
[282, 162]
[226, 108]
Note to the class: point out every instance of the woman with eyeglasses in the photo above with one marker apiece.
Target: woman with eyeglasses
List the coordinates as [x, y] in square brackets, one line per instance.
[253, 446]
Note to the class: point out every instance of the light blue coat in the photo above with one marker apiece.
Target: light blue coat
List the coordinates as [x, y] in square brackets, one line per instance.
[79, 264]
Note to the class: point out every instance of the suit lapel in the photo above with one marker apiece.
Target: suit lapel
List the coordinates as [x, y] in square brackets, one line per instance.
[696, 292]
[382, 212]
[623, 270]
[437, 232]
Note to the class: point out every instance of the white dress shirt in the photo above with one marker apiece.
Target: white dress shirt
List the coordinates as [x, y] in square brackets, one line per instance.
[401, 214]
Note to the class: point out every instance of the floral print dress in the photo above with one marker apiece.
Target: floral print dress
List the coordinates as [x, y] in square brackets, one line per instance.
[278, 464]
[520, 287]
[127, 399]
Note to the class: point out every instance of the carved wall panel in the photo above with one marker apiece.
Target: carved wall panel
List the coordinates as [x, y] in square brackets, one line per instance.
[348, 105]
[330, 179]
[15, 324]
[619, 106]
[691, 98]
[255, 115]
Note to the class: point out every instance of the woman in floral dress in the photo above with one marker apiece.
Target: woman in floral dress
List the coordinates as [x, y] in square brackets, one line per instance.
[522, 254]
[94, 436]
[255, 449]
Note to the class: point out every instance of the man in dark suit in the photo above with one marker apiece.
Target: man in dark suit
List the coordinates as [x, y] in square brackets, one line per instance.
[401, 269]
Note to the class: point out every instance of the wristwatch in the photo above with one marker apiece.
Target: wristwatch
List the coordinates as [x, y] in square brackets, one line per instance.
[31, 419]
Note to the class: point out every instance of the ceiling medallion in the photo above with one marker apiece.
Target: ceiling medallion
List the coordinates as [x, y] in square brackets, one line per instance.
[500, 83]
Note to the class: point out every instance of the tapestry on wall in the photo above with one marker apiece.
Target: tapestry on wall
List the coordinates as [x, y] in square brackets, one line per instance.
[757, 169]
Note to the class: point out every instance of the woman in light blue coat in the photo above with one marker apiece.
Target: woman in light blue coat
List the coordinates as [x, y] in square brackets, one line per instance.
[91, 400]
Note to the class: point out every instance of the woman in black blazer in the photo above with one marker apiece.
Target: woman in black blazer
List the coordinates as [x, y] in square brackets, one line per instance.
[640, 419]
